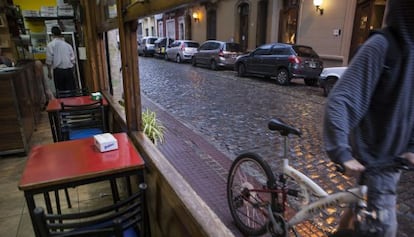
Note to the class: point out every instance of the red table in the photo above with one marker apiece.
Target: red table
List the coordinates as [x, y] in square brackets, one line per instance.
[55, 105]
[60, 165]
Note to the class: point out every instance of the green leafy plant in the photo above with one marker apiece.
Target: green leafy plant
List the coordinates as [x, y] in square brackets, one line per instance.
[152, 127]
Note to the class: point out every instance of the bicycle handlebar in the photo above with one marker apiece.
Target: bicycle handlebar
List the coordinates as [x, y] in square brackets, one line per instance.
[398, 163]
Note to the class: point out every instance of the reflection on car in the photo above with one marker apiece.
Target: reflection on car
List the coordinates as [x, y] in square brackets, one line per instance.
[146, 45]
[160, 46]
[217, 54]
[281, 61]
[181, 50]
[328, 78]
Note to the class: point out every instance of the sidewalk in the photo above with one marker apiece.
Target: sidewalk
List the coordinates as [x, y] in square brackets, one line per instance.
[201, 164]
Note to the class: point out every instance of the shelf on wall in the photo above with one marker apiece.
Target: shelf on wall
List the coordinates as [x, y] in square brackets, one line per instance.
[42, 18]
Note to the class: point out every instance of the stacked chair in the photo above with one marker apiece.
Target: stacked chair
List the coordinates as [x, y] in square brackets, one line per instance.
[81, 121]
[125, 218]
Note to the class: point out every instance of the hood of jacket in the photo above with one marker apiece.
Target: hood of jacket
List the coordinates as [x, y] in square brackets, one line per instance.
[400, 17]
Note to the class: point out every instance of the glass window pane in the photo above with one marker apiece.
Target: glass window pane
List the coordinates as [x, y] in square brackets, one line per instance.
[114, 57]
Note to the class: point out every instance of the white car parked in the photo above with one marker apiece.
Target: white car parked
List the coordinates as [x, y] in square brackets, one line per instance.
[328, 78]
[181, 50]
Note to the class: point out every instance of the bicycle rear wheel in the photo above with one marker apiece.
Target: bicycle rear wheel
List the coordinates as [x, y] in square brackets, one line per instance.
[248, 193]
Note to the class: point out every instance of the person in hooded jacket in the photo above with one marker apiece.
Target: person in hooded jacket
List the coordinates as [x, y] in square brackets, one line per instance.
[369, 120]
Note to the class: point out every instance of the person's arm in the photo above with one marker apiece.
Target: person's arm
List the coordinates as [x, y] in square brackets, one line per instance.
[349, 101]
[49, 72]
[409, 155]
[49, 60]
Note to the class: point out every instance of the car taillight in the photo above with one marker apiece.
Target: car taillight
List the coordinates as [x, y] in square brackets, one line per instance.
[221, 54]
[294, 59]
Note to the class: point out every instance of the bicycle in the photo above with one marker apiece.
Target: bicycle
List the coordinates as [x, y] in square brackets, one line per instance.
[261, 203]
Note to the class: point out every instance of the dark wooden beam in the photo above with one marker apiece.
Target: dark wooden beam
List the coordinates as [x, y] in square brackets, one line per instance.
[130, 75]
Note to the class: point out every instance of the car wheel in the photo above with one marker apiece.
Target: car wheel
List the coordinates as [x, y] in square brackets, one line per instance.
[282, 77]
[311, 81]
[166, 56]
[329, 84]
[193, 61]
[241, 70]
[178, 59]
[213, 65]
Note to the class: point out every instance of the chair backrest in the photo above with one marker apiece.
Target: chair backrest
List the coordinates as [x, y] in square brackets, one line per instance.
[124, 218]
[81, 118]
[72, 93]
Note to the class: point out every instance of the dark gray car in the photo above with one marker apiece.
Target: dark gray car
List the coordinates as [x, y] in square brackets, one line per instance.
[282, 61]
[217, 54]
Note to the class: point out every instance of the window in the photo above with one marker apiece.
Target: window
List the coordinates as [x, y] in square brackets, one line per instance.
[288, 23]
[160, 29]
[211, 24]
[277, 50]
[261, 28]
[305, 52]
[232, 47]
[191, 44]
[205, 46]
[262, 51]
[170, 29]
[114, 58]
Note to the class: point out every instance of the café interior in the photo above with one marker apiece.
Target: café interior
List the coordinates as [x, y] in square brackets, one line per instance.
[48, 175]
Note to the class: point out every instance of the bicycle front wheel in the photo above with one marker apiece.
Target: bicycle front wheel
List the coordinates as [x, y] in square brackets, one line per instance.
[248, 193]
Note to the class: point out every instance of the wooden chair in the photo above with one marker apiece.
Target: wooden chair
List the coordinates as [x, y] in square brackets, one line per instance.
[81, 121]
[72, 93]
[125, 218]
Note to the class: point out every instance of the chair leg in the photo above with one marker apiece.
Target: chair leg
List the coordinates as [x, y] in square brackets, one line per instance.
[68, 198]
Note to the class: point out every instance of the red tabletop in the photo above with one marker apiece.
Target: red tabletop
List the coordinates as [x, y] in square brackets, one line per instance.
[74, 160]
[55, 104]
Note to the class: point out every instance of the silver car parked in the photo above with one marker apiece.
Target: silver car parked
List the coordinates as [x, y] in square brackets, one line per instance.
[146, 46]
[216, 54]
[181, 50]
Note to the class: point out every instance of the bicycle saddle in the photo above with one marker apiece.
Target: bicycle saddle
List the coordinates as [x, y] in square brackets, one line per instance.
[284, 129]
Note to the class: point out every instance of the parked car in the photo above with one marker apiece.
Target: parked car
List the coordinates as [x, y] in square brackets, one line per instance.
[216, 54]
[146, 45]
[329, 76]
[181, 50]
[282, 61]
[160, 46]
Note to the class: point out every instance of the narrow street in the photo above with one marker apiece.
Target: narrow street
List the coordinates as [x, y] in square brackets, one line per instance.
[232, 113]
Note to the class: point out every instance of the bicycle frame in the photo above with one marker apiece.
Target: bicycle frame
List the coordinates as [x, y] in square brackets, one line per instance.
[354, 195]
[305, 182]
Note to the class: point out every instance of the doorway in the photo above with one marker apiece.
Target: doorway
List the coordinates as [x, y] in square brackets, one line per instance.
[244, 25]
[369, 16]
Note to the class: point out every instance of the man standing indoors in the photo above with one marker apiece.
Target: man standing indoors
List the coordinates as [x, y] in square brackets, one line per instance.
[61, 58]
[369, 118]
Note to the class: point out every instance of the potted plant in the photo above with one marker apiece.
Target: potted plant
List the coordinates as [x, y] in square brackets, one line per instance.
[151, 126]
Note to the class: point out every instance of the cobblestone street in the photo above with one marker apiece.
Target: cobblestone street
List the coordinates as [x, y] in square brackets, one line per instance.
[231, 113]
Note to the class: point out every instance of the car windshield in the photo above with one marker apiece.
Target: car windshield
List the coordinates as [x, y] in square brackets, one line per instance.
[307, 52]
[232, 47]
[191, 45]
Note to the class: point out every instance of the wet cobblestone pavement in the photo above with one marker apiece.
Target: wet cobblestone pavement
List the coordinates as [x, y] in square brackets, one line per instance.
[231, 113]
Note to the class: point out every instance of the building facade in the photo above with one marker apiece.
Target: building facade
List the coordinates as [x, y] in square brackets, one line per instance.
[333, 28]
